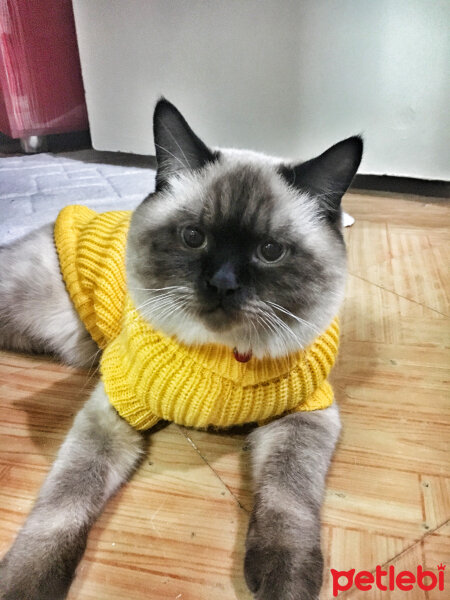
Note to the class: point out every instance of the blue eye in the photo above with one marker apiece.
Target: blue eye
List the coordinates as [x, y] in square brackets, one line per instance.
[271, 251]
[193, 237]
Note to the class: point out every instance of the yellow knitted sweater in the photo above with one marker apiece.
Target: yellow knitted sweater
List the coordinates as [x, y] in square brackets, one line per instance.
[149, 376]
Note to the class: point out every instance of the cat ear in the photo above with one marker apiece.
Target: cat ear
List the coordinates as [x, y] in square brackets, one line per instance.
[177, 147]
[329, 175]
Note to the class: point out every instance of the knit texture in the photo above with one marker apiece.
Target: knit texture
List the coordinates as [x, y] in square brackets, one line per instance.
[91, 249]
[149, 376]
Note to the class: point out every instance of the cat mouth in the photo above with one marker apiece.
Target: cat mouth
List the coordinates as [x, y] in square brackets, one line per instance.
[220, 317]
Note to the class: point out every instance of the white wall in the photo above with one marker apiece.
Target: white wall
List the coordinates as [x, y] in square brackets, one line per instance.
[286, 77]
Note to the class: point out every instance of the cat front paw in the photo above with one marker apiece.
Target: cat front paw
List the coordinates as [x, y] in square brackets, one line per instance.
[26, 574]
[30, 585]
[280, 565]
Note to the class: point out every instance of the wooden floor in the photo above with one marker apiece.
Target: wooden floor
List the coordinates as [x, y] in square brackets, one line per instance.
[177, 530]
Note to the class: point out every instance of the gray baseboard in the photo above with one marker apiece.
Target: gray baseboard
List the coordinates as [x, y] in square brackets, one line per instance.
[402, 185]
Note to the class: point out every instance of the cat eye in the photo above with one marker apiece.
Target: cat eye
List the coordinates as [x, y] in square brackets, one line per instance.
[270, 251]
[193, 237]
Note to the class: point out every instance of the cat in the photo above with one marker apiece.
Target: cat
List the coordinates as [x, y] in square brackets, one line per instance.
[234, 248]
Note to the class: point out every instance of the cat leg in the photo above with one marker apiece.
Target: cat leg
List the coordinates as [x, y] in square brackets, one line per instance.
[290, 459]
[36, 312]
[98, 455]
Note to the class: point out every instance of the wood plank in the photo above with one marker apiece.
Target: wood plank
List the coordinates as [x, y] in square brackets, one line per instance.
[436, 551]
[177, 529]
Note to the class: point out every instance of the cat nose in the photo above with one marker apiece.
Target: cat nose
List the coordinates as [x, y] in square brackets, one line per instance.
[224, 281]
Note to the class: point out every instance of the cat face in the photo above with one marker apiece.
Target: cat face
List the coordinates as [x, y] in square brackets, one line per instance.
[238, 248]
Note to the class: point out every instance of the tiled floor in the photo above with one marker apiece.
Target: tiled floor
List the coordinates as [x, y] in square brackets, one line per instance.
[34, 188]
[177, 529]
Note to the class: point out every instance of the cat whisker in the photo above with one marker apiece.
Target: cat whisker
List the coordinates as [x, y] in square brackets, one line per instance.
[171, 294]
[286, 335]
[156, 299]
[286, 338]
[255, 330]
[252, 333]
[270, 327]
[161, 311]
[153, 305]
[170, 311]
[154, 308]
[91, 375]
[263, 317]
[170, 288]
[288, 330]
[290, 314]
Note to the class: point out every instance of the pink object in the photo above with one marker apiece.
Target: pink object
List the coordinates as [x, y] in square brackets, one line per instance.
[40, 76]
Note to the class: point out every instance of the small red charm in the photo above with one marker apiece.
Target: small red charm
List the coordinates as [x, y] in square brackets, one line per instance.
[242, 357]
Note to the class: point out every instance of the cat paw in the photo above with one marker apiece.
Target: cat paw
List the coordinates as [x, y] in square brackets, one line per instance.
[278, 574]
[26, 582]
[280, 567]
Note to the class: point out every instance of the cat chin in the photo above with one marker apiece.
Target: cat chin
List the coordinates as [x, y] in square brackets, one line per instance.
[191, 331]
